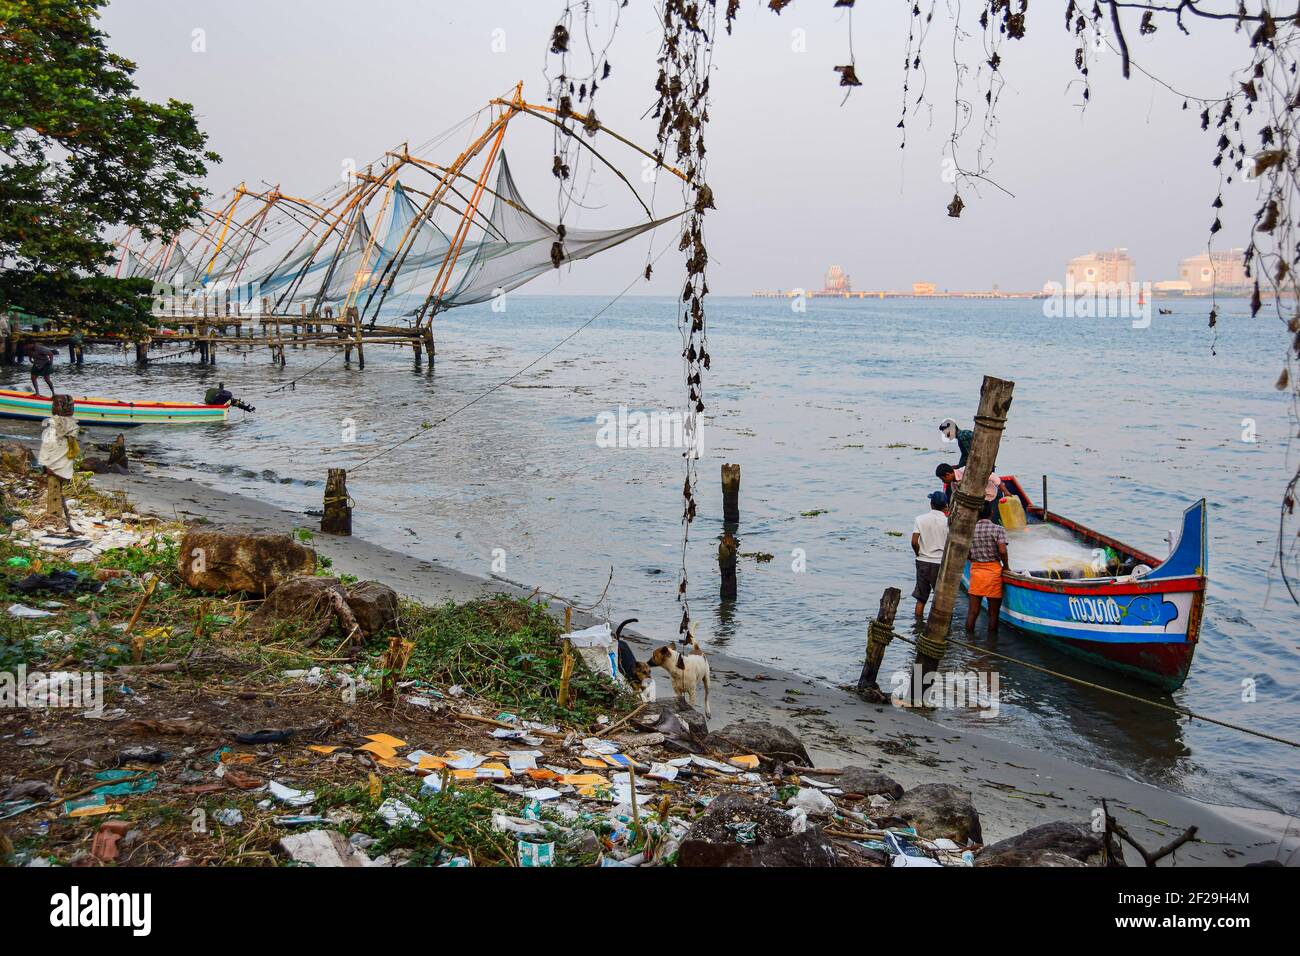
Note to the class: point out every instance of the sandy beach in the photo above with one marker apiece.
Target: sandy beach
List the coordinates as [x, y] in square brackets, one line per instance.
[1013, 787]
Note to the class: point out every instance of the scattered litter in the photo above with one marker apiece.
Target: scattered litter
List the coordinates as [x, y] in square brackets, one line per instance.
[536, 854]
[264, 737]
[228, 816]
[22, 610]
[126, 787]
[814, 802]
[288, 795]
[321, 848]
[394, 813]
[541, 793]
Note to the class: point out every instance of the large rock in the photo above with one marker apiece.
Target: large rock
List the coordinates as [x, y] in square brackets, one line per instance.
[762, 738]
[939, 810]
[684, 728]
[712, 839]
[865, 782]
[222, 560]
[374, 604]
[15, 457]
[315, 604]
[308, 603]
[1050, 844]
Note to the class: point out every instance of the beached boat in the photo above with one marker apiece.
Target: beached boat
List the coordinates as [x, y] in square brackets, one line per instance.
[112, 414]
[1141, 615]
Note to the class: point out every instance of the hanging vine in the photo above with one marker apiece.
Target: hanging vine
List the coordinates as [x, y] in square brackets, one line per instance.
[685, 59]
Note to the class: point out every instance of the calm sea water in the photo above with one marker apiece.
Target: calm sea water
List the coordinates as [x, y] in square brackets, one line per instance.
[832, 411]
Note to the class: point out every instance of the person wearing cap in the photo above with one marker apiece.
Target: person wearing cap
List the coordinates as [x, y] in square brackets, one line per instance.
[929, 536]
[962, 436]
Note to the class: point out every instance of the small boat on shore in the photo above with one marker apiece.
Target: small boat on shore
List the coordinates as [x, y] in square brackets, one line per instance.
[1131, 612]
[108, 413]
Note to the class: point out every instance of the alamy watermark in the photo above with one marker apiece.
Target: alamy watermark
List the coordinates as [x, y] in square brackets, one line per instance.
[80, 689]
[1099, 300]
[978, 690]
[650, 429]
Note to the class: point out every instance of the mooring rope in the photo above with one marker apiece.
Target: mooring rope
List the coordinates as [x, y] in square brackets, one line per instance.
[1180, 711]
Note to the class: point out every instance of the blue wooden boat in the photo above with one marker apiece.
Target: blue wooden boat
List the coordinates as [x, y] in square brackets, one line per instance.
[1143, 622]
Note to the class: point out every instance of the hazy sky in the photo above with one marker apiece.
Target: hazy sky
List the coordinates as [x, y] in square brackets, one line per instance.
[289, 90]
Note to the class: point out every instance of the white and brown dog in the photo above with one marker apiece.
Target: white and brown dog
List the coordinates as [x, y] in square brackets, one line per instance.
[686, 671]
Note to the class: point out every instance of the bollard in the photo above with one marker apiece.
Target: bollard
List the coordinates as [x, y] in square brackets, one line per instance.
[337, 518]
[731, 494]
[879, 633]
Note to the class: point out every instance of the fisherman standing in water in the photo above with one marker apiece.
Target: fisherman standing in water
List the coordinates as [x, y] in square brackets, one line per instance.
[962, 436]
[42, 364]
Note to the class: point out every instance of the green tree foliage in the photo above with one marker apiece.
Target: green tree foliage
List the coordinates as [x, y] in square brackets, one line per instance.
[83, 155]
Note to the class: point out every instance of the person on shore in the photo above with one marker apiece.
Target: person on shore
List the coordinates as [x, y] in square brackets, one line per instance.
[76, 348]
[59, 450]
[988, 559]
[42, 364]
[6, 329]
[964, 437]
[929, 536]
[993, 487]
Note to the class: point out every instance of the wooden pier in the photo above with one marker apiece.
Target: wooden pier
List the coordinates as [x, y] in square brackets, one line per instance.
[205, 326]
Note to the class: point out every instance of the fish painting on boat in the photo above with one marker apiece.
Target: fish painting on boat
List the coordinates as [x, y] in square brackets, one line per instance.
[111, 413]
[1141, 616]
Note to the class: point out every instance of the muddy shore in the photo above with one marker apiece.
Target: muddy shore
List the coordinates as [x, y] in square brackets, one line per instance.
[1013, 787]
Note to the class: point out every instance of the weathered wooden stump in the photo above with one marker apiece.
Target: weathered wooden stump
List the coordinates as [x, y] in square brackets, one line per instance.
[727, 548]
[731, 494]
[879, 633]
[337, 518]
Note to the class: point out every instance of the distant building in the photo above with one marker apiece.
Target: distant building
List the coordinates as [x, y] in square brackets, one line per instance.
[1210, 270]
[922, 288]
[1112, 268]
[837, 283]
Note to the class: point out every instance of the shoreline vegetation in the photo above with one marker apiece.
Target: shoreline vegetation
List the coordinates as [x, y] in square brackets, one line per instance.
[312, 700]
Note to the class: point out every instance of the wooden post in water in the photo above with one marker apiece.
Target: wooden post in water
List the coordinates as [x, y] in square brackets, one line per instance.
[337, 518]
[142, 352]
[727, 564]
[879, 633]
[355, 318]
[731, 494]
[995, 399]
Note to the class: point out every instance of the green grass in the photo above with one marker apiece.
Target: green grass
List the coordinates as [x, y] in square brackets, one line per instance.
[507, 650]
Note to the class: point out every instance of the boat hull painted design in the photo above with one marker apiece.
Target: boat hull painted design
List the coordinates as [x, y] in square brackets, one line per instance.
[112, 414]
[1146, 626]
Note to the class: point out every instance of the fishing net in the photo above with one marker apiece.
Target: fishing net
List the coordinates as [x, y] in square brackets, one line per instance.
[335, 259]
[1046, 550]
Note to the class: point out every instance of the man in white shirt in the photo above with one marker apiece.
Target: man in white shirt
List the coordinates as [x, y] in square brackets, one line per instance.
[929, 536]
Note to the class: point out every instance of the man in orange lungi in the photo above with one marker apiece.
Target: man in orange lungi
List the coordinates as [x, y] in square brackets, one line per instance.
[988, 558]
